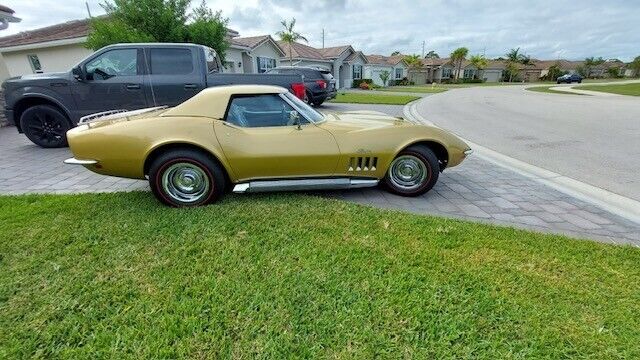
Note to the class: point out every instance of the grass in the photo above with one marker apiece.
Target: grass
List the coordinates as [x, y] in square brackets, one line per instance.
[632, 89]
[547, 89]
[415, 89]
[370, 98]
[294, 276]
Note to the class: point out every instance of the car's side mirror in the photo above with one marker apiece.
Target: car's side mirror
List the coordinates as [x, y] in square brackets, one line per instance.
[78, 74]
[294, 118]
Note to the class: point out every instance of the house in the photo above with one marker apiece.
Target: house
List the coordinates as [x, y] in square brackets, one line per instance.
[52, 48]
[255, 54]
[343, 61]
[377, 64]
[59, 47]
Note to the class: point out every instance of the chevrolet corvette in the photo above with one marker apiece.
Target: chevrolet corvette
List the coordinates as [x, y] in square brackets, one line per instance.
[253, 138]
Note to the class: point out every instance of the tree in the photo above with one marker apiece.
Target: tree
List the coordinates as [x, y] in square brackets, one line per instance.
[635, 66]
[158, 21]
[396, 53]
[589, 63]
[208, 28]
[432, 55]
[514, 57]
[384, 76]
[614, 72]
[512, 70]
[457, 57]
[289, 36]
[480, 62]
[414, 62]
[553, 72]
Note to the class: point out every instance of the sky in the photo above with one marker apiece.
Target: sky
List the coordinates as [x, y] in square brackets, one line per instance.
[543, 29]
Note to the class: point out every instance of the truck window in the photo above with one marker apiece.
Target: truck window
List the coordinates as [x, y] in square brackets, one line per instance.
[212, 60]
[117, 62]
[170, 61]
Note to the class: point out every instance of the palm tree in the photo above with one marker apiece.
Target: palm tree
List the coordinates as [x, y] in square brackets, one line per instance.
[514, 57]
[290, 36]
[480, 62]
[396, 53]
[414, 62]
[457, 57]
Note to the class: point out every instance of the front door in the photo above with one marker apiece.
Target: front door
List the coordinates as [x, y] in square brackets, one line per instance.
[114, 80]
[261, 141]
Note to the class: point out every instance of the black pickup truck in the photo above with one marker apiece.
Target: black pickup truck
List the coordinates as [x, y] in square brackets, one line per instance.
[122, 76]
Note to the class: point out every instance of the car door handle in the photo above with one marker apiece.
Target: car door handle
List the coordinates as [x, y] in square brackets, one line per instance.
[190, 86]
[133, 86]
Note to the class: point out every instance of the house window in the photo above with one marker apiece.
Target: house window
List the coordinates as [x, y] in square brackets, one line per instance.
[35, 63]
[468, 73]
[398, 73]
[357, 72]
[446, 73]
[265, 64]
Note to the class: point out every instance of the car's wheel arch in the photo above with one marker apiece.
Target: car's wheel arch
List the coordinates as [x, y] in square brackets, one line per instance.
[33, 100]
[163, 148]
[437, 147]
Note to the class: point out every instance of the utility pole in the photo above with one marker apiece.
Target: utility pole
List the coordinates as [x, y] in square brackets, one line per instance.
[323, 38]
[86, 3]
[423, 49]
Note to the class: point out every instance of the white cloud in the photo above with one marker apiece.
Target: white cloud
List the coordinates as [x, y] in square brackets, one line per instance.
[542, 29]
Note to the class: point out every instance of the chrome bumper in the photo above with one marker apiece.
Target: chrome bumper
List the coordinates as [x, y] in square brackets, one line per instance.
[468, 152]
[74, 161]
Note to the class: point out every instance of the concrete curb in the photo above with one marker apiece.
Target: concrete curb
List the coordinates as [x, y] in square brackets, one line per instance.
[606, 200]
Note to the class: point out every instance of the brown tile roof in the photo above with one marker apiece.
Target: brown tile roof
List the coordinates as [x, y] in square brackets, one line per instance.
[308, 52]
[68, 30]
[300, 51]
[333, 52]
[384, 60]
[250, 41]
[355, 55]
[6, 9]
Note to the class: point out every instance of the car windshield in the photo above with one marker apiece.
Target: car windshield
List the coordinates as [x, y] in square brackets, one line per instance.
[307, 111]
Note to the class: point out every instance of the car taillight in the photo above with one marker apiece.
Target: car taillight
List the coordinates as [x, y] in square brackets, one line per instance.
[322, 83]
[298, 90]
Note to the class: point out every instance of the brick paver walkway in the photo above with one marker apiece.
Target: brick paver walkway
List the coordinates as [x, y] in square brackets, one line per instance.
[476, 190]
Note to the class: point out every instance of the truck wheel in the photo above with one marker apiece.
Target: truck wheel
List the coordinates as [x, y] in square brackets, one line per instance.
[45, 126]
[186, 178]
[413, 172]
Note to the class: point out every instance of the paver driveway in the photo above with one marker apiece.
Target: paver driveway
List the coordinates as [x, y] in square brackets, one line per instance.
[475, 190]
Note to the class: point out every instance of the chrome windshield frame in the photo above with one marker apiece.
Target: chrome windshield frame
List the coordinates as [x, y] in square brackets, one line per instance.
[299, 110]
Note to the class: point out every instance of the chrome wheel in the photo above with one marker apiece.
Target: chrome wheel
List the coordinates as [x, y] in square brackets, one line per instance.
[408, 172]
[185, 182]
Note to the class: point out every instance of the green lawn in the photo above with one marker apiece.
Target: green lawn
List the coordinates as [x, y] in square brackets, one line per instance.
[632, 89]
[414, 89]
[370, 98]
[295, 276]
[547, 89]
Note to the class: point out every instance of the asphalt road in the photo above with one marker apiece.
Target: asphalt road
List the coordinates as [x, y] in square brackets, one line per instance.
[594, 139]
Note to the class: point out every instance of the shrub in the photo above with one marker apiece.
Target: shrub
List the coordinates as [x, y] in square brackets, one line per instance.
[364, 86]
[356, 82]
[472, 81]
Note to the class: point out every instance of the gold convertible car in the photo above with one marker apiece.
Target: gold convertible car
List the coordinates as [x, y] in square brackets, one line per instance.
[252, 138]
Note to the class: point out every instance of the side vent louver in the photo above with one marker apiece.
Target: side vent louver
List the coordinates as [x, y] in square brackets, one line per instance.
[367, 163]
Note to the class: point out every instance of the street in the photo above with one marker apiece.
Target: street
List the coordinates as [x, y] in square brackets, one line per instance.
[589, 138]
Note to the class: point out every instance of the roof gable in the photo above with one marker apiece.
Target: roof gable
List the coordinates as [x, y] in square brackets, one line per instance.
[253, 42]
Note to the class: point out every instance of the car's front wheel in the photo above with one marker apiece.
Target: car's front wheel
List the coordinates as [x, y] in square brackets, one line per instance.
[185, 178]
[45, 126]
[413, 172]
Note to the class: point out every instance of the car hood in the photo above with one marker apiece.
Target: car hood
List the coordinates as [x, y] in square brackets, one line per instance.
[362, 120]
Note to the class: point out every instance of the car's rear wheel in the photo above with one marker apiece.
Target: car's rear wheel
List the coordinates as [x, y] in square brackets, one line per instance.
[413, 172]
[185, 178]
[45, 126]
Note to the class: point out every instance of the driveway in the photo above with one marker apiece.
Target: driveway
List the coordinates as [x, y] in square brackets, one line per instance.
[588, 138]
[476, 190]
